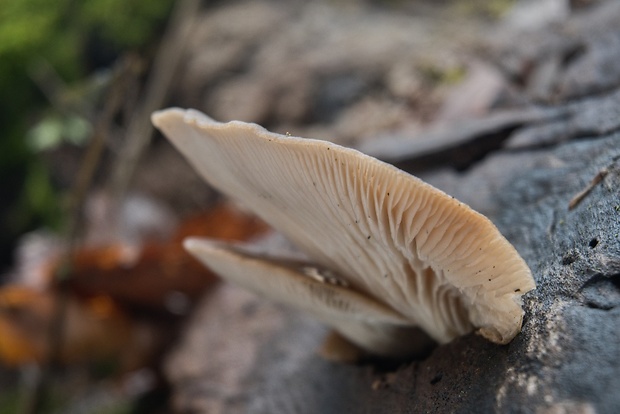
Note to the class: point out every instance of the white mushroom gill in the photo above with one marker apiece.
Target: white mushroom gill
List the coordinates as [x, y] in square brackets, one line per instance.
[396, 240]
[366, 322]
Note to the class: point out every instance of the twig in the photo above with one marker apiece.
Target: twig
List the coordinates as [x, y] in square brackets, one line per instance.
[578, 198]
[49, 82]
[158, 84]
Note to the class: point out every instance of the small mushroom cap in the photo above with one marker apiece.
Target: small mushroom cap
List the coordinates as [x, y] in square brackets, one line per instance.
[394, 238]
[290, 282]
[370, 324]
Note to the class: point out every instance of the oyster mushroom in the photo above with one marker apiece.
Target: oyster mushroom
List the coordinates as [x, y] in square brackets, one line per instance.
[409, 257]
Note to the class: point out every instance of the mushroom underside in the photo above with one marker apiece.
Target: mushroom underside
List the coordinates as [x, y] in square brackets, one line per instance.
[394, 239]
[367, 323]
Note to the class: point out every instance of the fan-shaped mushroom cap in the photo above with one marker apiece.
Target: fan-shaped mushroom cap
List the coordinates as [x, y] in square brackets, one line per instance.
[392, 237]
[370, 324]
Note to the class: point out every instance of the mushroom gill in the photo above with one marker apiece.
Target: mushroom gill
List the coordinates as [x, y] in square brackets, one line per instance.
[396, 241]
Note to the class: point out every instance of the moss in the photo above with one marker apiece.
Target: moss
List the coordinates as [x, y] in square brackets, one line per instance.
[492, 9]
[10, 401]
[436, 74]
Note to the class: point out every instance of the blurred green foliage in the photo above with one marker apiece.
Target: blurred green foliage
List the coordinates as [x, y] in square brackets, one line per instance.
[74, 37]
[57, 29]
[62, 399]
[10, 401]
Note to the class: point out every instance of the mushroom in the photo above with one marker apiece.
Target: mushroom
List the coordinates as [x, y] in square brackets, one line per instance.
[402, 256]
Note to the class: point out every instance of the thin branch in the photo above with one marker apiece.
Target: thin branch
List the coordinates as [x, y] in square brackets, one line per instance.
[166, 62]
[578, 198]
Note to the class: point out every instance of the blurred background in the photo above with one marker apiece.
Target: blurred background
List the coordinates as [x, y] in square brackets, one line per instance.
[95, 286]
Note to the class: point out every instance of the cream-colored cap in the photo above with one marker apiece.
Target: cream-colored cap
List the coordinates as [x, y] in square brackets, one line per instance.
[393, 239]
